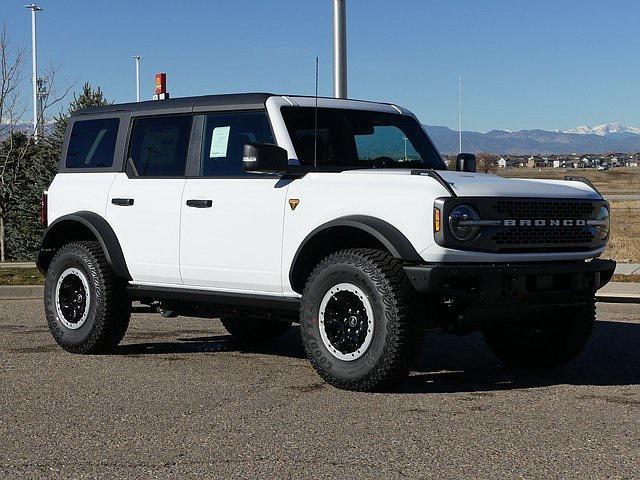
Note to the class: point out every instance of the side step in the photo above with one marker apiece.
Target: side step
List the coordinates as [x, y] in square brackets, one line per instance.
[209, 298]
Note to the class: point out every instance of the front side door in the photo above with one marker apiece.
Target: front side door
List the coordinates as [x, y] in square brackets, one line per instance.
[144, 203]
[231, 234]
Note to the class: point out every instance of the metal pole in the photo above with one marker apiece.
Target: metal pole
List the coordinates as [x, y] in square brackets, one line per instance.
[137, 58]
[340, 48]
[34, 54]
[460, 114]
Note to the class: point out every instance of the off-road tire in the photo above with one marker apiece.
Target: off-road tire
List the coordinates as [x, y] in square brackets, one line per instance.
[397, 314]
[109, 308]
[254, 329]
[545, 342]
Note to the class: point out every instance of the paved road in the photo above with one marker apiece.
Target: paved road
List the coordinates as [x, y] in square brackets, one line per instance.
[622, 196]
[179, 399]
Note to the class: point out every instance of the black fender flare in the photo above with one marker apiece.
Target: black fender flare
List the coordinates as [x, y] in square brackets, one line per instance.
[54, 237]
[393, 239]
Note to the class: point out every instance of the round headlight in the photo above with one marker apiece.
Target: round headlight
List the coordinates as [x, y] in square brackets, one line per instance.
[604, 223]
[459, 223]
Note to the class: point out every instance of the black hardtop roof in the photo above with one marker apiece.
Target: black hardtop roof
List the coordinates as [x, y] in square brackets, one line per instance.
[231, 101]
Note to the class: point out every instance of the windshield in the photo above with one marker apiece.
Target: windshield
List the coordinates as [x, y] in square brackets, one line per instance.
[348, 139]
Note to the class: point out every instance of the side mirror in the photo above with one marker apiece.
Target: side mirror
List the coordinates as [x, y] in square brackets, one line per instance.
[264, 157]
[466, 162]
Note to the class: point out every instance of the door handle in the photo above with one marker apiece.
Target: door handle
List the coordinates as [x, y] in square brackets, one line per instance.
[123, 202]
[200, 203]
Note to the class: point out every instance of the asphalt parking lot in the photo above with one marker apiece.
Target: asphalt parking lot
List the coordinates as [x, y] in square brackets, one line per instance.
[179, 399]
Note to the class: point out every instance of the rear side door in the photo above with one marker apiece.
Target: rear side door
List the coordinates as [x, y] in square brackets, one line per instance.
[144, 201]
[231, 234]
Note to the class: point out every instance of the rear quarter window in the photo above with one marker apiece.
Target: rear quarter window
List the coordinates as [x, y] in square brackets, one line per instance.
[92, 143]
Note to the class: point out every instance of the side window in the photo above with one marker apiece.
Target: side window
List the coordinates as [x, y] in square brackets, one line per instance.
[225, 135]
[158, 146]
[92, 143]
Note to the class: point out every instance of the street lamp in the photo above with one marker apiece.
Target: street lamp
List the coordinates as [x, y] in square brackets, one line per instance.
[34, 53]
[137, 59]
[460, 114]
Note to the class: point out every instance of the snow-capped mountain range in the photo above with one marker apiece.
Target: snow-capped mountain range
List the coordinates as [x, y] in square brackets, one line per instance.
[604, 129]
[610, 137]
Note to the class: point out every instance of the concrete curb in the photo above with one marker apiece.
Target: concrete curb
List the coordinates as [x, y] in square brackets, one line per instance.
[21, 292]
[619, 292]
[617, 299]
[17, 265]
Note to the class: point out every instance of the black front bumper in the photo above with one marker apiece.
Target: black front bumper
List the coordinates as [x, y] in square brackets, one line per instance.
[550, 283]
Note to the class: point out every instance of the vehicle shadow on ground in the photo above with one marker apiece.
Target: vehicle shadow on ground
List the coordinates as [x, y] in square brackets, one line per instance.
[289, 345]
[456, 364]
[465, 364]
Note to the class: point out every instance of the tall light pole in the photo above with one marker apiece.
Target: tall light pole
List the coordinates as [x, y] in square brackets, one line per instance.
[340, 48]
[460, 114]
[137, 59]
[34, 53]
[405, 148]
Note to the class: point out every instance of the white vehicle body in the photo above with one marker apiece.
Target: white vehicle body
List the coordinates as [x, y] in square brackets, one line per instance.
[264, 210]
[248, 241]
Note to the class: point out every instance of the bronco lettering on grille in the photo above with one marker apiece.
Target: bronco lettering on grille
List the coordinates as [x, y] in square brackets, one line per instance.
[526, 222]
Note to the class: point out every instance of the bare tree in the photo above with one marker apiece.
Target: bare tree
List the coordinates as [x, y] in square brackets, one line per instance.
[13, 151]
[16, 147]
[486, 162]
[54, 92]
[11, 63]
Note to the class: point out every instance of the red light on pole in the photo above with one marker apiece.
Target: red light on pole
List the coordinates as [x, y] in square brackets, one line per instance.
[161, 83]
[161, 87]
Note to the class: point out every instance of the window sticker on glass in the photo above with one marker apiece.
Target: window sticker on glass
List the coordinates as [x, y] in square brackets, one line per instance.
[219, 142]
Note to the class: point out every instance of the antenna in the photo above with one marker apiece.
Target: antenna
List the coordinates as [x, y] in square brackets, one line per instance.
[315, 123]
[460, 114]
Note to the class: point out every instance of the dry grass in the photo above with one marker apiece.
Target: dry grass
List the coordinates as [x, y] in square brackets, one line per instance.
[616, 181]
[20, 276]
[626, 278]
[624, 245]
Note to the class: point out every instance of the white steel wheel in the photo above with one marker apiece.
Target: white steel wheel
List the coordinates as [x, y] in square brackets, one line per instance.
[346, 321]
[72, 296]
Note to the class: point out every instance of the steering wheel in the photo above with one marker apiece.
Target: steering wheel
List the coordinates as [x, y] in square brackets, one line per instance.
[382, 161]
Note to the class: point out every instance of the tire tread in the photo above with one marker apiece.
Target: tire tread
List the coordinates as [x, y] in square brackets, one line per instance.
[402, 310]
[112, 301]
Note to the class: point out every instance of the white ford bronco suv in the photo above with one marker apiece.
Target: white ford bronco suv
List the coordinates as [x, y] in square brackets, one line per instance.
[264, 210]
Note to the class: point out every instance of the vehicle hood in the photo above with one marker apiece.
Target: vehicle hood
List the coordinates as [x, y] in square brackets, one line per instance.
[490, 185]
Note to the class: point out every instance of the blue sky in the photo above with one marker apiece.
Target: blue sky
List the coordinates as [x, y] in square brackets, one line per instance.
[543, 64]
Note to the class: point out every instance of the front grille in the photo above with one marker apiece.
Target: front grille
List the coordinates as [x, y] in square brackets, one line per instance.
[542, 238]
[537, 236]
[528, 225]
[546, 209]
